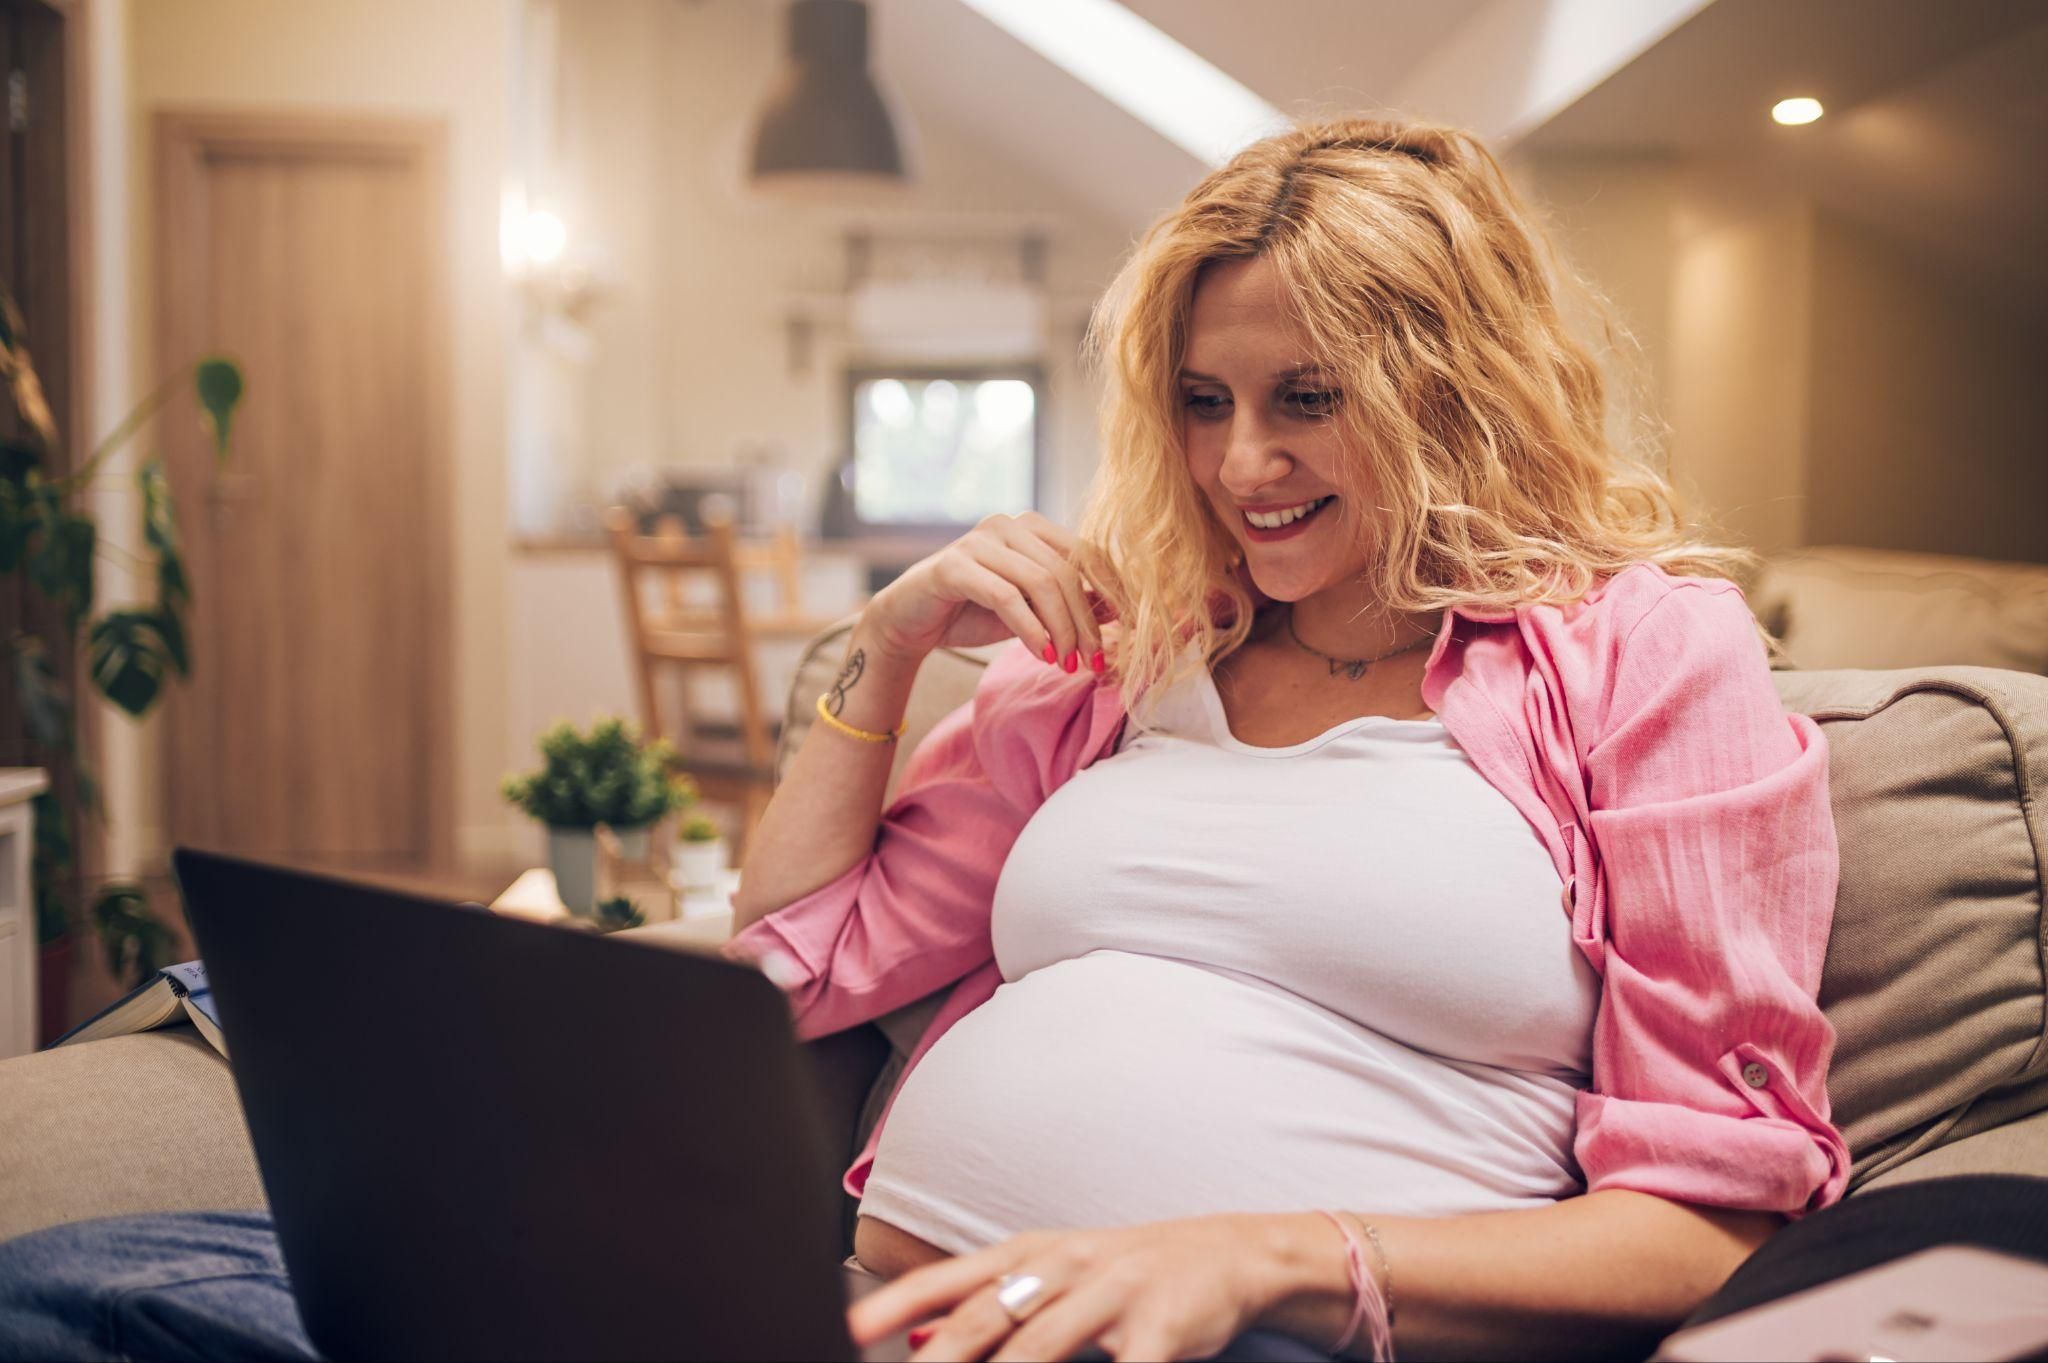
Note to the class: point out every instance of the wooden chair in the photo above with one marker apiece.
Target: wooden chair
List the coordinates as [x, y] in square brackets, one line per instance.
[732, 762]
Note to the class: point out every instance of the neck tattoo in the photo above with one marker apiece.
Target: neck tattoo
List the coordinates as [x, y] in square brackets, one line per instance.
[1351, 668]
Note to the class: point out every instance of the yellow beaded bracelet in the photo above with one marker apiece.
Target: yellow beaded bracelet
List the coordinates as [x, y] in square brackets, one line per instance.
[862, 734]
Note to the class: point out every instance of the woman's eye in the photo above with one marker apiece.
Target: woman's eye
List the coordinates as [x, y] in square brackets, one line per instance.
[1316, 404]
[1205, 406]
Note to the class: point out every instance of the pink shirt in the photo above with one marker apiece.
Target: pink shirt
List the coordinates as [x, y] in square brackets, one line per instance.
[1637, 730]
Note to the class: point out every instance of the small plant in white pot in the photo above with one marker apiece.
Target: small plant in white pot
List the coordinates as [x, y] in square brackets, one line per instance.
[607, 776]
[700, 854]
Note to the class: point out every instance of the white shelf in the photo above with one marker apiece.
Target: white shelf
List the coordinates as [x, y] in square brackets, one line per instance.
[19, 956]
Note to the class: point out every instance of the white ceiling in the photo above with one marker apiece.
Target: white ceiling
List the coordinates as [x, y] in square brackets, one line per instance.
[1306, 54]
[942, 60]
[1935, 135]
[1710, 84]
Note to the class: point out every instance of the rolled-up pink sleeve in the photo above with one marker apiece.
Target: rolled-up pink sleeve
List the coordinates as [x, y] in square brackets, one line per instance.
[913, 915]
[1710, 817]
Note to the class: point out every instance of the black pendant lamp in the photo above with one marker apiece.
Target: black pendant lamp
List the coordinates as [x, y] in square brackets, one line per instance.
[825, 123]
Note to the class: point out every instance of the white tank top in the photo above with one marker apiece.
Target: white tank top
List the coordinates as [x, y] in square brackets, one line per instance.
[1255, 979]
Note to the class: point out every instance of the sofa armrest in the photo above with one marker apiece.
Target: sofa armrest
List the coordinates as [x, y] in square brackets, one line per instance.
[2004, 1212]
[2019, 1147]
[148, 1122]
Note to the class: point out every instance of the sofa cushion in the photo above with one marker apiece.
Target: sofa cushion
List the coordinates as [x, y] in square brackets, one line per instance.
[1934, 974]
[1835, 607]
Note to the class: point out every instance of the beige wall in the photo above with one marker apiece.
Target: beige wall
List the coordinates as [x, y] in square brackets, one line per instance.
[1738, 386]
[1821, 384]
[1710, 286]
[1611, 220]
[446, 60]
[1929, 415]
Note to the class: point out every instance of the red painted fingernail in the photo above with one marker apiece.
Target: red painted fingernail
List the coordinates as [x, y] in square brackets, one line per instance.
[1073, 661]
[1097, 663]
[919, 1336]
[1050, 655]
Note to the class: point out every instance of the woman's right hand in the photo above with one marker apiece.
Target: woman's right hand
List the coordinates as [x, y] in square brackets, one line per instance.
[1009, 577]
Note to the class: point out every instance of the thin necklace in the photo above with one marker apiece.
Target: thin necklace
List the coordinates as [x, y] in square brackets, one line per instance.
[1352, 668]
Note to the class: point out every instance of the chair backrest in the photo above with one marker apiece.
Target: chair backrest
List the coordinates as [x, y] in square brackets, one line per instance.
[668, 625]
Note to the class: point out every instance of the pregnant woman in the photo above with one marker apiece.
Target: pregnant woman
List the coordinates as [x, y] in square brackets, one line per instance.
[1379, 900]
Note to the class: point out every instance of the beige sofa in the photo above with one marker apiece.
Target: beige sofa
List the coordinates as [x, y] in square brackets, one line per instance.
[1934, 977]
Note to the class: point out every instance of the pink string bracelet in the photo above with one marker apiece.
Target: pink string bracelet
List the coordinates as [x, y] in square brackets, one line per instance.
[1368, 1301]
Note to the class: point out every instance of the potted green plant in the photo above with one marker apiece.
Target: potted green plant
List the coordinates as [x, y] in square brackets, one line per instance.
[606, 776]
[616, 913]
[49, 541]
[699, 854]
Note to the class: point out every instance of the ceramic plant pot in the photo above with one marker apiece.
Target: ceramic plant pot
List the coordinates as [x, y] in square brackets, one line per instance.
[700, 865]
[572, 854]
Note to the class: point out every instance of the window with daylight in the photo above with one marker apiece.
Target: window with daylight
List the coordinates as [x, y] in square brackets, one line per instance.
[941, 448]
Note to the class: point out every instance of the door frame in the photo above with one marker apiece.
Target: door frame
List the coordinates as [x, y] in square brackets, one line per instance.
[183, 139]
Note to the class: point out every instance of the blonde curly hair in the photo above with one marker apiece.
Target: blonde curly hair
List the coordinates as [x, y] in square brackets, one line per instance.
[1478, 424]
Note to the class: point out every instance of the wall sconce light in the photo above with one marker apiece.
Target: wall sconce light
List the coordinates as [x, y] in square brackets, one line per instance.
[542, 236]
[1794, 112]
[538, 260]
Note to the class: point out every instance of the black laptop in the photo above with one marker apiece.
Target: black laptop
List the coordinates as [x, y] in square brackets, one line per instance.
[489, 1138]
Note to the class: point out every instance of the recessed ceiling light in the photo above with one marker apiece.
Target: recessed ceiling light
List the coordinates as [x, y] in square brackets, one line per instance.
[1792, 112]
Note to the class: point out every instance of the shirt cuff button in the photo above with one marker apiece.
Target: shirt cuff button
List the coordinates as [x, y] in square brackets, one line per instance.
[1755, 1075]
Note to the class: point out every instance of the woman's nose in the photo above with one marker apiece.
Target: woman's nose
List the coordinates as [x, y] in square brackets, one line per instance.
[1253, 459]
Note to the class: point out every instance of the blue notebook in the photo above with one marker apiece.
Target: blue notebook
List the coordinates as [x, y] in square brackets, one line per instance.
[175, 994]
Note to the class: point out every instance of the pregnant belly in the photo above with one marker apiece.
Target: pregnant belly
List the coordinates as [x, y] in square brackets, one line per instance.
[890, 1250]
[1117, 1088]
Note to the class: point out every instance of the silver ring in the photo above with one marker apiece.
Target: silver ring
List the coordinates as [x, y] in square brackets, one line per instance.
[1019, 1294]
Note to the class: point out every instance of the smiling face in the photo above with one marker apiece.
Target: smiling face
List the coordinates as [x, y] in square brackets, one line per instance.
[1259, 441]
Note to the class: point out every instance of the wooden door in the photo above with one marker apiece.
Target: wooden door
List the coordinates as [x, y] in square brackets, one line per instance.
[316, 720]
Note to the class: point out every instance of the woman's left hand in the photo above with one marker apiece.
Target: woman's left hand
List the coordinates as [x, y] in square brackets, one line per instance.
[1165, 1290]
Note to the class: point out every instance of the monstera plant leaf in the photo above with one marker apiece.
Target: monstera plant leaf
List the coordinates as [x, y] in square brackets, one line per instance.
[160, 533]
[219, 384]
[130, 652]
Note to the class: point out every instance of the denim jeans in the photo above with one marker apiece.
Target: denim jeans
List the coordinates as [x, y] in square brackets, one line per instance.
[212, 1286]
[180, 1285]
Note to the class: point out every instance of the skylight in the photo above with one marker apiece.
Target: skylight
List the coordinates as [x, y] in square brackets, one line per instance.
[1148, 75]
